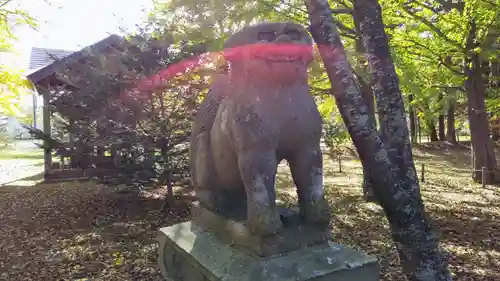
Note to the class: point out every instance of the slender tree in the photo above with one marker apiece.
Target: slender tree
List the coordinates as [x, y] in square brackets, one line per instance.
[451, 135]
[387, 155]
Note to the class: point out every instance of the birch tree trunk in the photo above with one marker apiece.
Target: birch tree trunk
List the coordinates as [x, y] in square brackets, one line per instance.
[387, 156]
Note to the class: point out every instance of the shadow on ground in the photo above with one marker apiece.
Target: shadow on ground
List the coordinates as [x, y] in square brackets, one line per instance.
[26, 181]
[466, 215]
[75, 230]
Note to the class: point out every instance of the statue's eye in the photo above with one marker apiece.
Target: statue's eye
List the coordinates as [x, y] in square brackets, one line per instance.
[294, 34]
[267, 35]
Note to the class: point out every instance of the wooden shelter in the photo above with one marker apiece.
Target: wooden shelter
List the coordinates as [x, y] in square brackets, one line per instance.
[48, 79]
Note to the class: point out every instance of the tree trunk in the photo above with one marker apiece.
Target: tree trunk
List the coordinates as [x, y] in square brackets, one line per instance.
[495, 72]
[481, 144]
[495, 129]
[495, 84]
[451, 135]
[441, 126]
[419, 128]
[432, 131]
[387, 155]
[367, 93]
[441, 118]
[450, 123]
[368, 98]
[413, 125]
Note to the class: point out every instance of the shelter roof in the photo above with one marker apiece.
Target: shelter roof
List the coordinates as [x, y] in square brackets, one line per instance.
[41, 57]
[42, 72]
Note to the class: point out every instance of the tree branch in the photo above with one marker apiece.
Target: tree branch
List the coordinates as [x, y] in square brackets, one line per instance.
[343, 3]
[434, 28]
[495, 5]
[342, 11]
[5, 3]
[440, 60]
[459, 88]
[347, 32]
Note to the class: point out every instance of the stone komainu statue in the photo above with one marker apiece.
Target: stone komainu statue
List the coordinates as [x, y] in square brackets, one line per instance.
[255, 115]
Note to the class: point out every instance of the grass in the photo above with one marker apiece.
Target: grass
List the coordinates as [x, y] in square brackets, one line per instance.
[9, 153]
[75, 230]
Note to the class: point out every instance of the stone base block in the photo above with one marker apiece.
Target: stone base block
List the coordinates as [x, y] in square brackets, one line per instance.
[188, 253]
[294, 235]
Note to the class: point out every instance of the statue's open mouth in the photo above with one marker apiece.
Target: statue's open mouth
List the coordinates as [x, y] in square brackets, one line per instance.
[283, 58]
[271, 53]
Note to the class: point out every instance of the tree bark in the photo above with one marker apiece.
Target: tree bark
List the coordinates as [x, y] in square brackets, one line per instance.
[387, 155]
[495, 84]
[481, 144]
[432, 131]
[495, 72]
[419, 128]
[495, 130]
[413, 125]
[368, 97]
[441, 128]
[451, 135]
[367, 186]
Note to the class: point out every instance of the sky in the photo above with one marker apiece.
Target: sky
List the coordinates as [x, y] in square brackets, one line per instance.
[74, 24]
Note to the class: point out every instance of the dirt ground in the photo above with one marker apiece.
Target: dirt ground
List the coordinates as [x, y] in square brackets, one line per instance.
[89, 231]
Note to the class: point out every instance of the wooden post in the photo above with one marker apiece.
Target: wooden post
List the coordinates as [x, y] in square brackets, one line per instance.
[61, 157]
[72, 158]
[47, 155]
[422, 173]
[484, 175]
[35, 105]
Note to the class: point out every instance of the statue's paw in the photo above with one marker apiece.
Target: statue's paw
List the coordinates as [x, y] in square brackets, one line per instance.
[205, 197]
[318, 211]
[265, 223]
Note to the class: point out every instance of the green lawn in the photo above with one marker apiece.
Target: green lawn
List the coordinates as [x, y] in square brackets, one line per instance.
[7, 153]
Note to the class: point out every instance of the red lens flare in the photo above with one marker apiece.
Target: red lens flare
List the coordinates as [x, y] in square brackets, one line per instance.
[231, 54]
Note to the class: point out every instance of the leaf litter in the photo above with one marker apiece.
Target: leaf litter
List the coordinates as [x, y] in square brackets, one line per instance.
[90, 231]
[81, 230]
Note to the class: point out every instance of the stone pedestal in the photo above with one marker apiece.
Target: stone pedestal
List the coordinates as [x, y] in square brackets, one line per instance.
[294, 235]
[188, 252]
